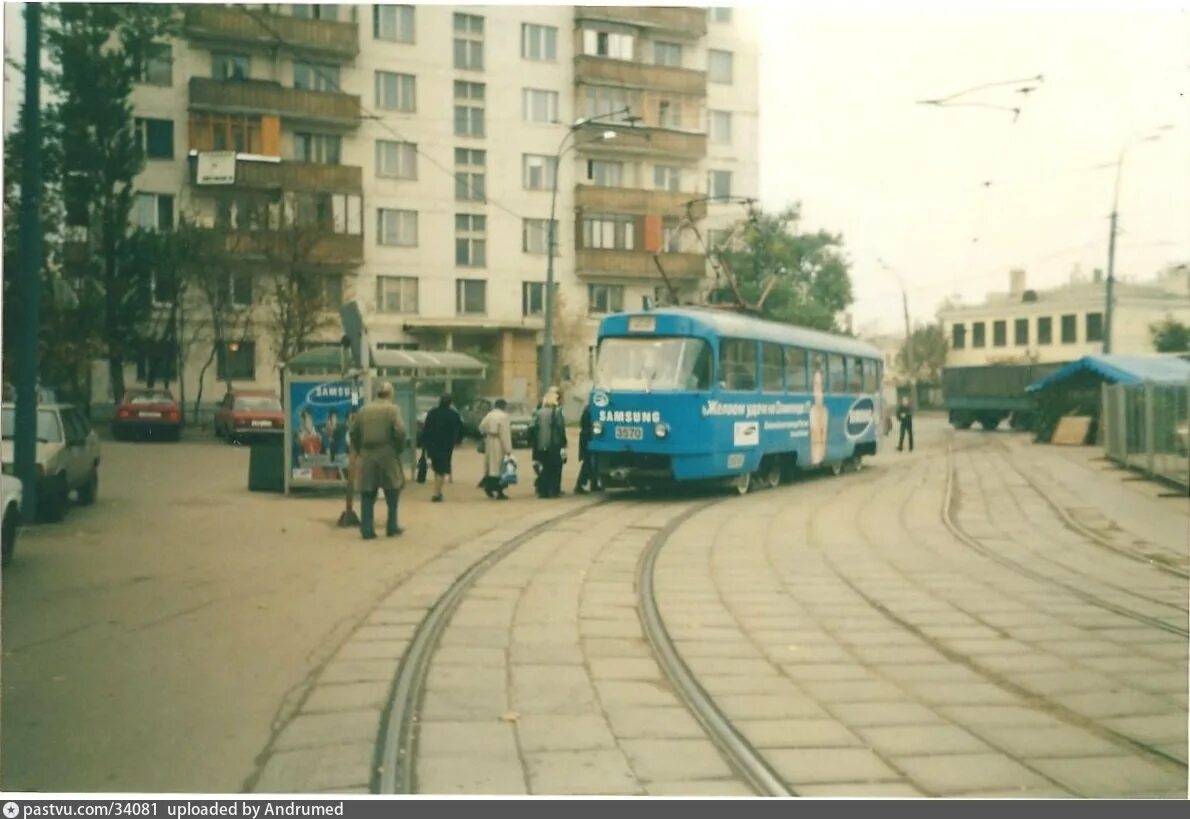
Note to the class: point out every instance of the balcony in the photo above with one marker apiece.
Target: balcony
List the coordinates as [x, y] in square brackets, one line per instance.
[290, 176]
[221, 24]
[688, 22]
[651, 142]
[299, 247]
[635, 200]
[601, 70]
[265, 97]
[639, 265]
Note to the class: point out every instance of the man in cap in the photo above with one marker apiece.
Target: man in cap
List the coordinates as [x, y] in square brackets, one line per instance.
[377, 438]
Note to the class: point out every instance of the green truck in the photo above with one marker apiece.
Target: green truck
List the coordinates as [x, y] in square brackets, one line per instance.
[988, 394]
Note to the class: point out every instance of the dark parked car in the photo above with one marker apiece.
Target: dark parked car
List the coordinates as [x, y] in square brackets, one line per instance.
[249, 413]
[149, 412]
[520, 415]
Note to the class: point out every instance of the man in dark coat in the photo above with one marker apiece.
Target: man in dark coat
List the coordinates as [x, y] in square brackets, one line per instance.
[588, 474]
[905, 416]
[443, 431]
[547, 435]
[377, 438]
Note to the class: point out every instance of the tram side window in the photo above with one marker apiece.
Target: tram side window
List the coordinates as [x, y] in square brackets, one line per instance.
[795, 370]
[870, 379]
[772, 369]
[737, 364]
[817, 372]
[836, 376]
[855, 375]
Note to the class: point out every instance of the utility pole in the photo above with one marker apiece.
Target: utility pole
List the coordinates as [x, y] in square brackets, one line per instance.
[1111, 281]
[909, 350]
[25, 445]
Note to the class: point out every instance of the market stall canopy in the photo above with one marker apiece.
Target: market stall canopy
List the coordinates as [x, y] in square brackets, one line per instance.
[392, 364]
[1119, 369]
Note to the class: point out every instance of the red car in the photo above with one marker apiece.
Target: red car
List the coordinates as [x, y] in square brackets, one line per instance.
[150, 412]
[244, 413]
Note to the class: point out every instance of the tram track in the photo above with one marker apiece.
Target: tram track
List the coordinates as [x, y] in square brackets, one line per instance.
[948, 519]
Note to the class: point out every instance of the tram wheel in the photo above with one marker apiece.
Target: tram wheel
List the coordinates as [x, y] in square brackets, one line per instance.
[742, 483]
[772, 475]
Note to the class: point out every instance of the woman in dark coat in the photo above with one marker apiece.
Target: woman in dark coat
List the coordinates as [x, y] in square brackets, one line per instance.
[442, 432]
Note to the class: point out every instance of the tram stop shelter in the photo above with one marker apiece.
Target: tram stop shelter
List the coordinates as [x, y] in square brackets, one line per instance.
[322, 387]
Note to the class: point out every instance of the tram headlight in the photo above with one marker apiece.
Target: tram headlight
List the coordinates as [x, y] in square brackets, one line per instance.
[597, 428]
[661, 430]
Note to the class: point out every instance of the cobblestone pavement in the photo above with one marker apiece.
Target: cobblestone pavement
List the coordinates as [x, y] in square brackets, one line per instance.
[942, 624]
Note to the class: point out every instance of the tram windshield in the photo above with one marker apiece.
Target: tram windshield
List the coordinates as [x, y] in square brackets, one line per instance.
[654, 364]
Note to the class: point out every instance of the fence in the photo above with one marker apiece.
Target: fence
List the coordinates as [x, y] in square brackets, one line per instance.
[1147, 427]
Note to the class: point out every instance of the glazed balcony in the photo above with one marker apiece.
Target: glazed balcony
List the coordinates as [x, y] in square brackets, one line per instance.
[602, 70]
[299, 246]
[265, 97]
[639, 265]
[291, 176]
[636, 200]
[649, 141]
[222, 24]
[688, 22]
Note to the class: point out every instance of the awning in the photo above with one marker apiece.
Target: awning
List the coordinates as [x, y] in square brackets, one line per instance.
[407, 364]
[1121, 369]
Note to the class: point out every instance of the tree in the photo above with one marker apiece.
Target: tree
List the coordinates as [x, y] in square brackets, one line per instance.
[299, 306]
[929, 353]
[1170, 336]
[99, 51]
[798, 278]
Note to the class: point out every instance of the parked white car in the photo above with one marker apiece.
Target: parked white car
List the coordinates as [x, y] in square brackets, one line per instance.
[10, 501]
[67, 456]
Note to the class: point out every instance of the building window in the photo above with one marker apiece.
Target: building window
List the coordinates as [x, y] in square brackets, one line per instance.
[533, 298]
[315, 76]
[669, 114]
[611, 44]
[322, 148]
[718, 184]
[609, 231]
[667, 54]
[246, 211]
[158, 68]
[605, 174]
[605, 298]
[316, 11]
[1045, 330]
[535, 236]
[539, 172]
[332, 292]
[538, 105]
[667, 178]
[1069, 329]
[469, 174]
[397, 160]
[1094, 327]
[1021, 332]
[158, 359]
[330, 212]
[999, 333]
[609, 102]
[469, 119]
[155, 138]
[719, 127]
[153, 211]
[671, 235]
[471, 240]
[236, 289]
[471, 296]
[958, 336]
[539, 42]
[226, 66]
[468, 42]
[397, 228]
[396, 92]
[225, 132]
[393, 23]
[719, 66]
[396, 294]
[977, 334]
[236, 361]
[721, 14]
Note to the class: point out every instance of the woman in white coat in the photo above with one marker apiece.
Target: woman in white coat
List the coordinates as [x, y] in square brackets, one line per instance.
[496, 433]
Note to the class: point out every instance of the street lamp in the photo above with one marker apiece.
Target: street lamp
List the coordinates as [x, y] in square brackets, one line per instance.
[908, 335]
[1111, 238]
[547, 358]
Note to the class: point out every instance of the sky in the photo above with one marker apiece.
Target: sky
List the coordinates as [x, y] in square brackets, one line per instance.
[843, 133]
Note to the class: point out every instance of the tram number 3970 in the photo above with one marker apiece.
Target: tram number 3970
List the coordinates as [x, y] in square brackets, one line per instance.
[630, 433]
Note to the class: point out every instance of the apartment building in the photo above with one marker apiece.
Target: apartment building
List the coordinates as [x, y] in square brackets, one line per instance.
[422, 146]
[1063, 323]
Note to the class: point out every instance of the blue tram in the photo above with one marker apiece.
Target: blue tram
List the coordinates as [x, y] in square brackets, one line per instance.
[690, 394]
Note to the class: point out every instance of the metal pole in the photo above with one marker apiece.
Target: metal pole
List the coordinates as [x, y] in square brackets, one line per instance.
[1111, 283]
[547, 354]
[25, 445]
[909, 350]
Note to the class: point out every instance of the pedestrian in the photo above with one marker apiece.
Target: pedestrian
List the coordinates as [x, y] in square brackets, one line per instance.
[905, 416]
[377, 438]
[495, 431]
[588, 473]
[547, 432]
[443, 431]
